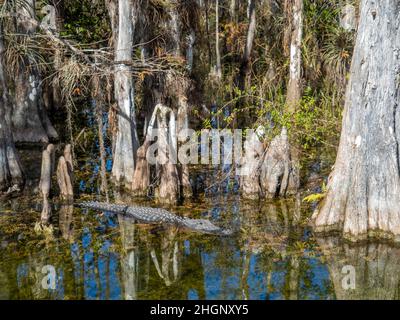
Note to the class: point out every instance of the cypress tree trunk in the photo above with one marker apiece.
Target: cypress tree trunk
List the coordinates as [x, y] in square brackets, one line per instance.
[175, 28]
[363, 192]
[29, 119]
[294, 85]
[245, 66]
[126, 138]
[11, 176]
[218, 66]
[348, 16]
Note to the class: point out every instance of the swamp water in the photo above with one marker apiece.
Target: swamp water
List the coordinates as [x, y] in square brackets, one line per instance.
[273, 254]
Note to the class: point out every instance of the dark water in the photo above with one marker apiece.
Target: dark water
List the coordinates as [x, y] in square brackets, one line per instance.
[97, 255]
[102, 256]
[272, 255]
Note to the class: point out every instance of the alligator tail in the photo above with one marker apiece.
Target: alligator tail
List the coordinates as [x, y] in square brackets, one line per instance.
[103, 206]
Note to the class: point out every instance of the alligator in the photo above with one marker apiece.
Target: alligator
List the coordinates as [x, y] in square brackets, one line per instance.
[150, 215]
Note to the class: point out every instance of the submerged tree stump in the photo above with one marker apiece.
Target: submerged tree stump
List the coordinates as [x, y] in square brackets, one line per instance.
[45, 181]
[279, 172]
[250, 167]
[168, 188]
[141, 178]
[69, 161]
[270, 172]
[183, 124]
[64, 176]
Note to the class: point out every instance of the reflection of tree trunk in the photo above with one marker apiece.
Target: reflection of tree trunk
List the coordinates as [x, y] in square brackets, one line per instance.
[4, 290]
[170, 268]
[376, 266]
[35, 276]
[245, 274]
[130, 259]
[268, 284]
[65, 222]
[293, 277]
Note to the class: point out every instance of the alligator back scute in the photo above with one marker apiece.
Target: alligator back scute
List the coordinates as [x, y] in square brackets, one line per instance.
[103, 206]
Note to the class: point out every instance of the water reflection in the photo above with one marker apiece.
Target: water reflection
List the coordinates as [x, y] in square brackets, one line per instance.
[65, 221]
[97, 255]
[375, 266]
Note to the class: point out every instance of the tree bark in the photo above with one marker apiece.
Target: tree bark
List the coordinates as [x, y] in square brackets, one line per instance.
[102, 149]
[30, 121]
[141, 178]
[294, 90]
[175, 28]
[112, 8]
[233, 8]
[245, 66]
[218, 66]
[126, 138]
[363, 191]
[64, 179]
[168, 189]
[59, 12]
[183, 124]
[45, 181]
[250, 169]
[11, 176]
[279, 172]
[348, 16]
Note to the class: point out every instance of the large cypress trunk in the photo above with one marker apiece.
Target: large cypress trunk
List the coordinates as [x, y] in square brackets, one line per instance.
[126, 139]
[29, 118]
[363, 192]
[11, 177]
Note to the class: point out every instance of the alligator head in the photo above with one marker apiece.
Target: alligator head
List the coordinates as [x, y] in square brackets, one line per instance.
[206, 226]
